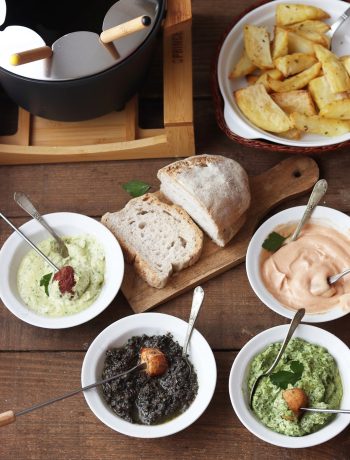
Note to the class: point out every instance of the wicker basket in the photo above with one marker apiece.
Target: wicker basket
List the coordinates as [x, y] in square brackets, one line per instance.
[219, 105]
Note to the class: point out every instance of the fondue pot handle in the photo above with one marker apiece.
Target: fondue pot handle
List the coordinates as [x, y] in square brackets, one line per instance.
[127, 28]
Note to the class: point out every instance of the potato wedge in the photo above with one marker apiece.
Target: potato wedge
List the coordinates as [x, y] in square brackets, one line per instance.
[295, 101]
[243, 67]
[257, 46]
[279, 43]
[290, 13]
[310, 26]
[320, 125]
[261, 110]
[333, 69]
[299, 44]
[252, 79]
[322, 94]
[297, 81]
[292, 134]
[294, 63]
[315, 37]
[274, 74]
[337, 109]
[345, 60]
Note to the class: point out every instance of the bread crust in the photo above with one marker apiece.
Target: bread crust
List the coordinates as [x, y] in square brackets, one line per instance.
[219, 186]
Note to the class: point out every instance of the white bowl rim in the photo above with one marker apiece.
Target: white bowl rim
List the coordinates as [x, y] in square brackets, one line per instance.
[88, 226]
[257, 344]
[122, 326]
[288, 215]
[232, 115]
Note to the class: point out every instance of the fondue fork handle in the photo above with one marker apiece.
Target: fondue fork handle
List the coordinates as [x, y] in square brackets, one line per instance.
[37, 250]
[10, 416]
[127, 28]
[35, 54]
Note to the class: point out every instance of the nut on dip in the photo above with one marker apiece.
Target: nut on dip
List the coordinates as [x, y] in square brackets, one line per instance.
[296, 274]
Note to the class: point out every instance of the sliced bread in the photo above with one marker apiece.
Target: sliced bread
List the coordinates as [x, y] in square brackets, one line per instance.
[158, 238]
[213, 189]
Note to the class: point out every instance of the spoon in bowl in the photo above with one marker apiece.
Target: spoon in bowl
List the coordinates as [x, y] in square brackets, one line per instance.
[24, 202]
[296, 398]
[152, 360]
[293, 325]
[197, 301]
[337, 24]
[64, 275]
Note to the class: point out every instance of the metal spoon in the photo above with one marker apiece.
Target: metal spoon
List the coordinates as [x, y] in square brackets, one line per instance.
[293, 325]
[31, 244]
[197, 301]
[329, 411]
[10, 416]
[319, 190]
[338, 23]
[24, 202]
[334, 278]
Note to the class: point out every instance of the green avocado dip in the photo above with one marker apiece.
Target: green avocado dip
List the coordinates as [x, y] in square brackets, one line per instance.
[319, 379]
[87, 258]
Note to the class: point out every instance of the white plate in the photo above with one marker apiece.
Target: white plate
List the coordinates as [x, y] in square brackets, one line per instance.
[116, 335]
[240, 396]
[66, 224]
[329, 217]
[231, 51]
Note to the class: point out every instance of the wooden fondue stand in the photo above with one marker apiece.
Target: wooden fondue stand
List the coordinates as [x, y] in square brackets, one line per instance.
[117, 136]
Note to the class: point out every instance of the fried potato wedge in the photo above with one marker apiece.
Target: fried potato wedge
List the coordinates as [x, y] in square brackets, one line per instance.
[292, 134]
[243, 67]
[315, 37]
[261, 110]
[299, 44]
[320, 125]
[310, 26]
[274, 74]
[279, 43]
[252, 79]
[294, 63]
[295, 101]
[257, 46]
[337, 109]
[333, 69]
[322, 94]
[345, 60]
[290, 13]
[297, 81]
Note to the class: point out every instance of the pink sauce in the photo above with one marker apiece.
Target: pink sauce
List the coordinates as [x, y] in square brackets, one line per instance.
[296, 275]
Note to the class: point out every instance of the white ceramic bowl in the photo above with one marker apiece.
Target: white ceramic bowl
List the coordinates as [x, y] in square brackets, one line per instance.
[116, 335]
[231, 51]
[329, 217]
[239, 393]
[66, 224]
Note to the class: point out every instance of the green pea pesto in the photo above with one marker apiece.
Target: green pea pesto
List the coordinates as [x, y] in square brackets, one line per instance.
[87, 258]
[320, 381]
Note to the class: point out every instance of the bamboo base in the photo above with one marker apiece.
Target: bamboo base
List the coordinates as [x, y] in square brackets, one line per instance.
[117, 136]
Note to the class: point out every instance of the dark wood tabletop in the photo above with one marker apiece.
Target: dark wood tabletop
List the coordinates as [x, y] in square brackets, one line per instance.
[37, 364]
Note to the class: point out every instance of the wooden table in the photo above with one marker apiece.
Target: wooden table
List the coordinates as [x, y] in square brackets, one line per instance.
[36, 364]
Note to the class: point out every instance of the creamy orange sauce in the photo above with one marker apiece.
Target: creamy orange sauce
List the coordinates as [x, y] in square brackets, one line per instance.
[296, 275]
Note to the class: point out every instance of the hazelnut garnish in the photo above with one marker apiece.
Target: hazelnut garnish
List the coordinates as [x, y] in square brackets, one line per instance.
[295, 398]
[155, 360]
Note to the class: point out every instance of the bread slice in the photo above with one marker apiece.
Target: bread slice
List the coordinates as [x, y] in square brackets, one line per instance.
[158, 238]
[213, 189]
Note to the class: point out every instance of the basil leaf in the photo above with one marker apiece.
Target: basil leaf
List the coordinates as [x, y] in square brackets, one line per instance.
[45, 281]
[283, 378]
[136, 188]
[273, 242]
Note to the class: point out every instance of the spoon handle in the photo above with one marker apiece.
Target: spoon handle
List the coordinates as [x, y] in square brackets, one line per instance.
[198, 296]
[317, 193]
[333, 279]
[340, 21]
[24, 202]
[10, 416]
[328, 411]
[37, 250]
[293, 325]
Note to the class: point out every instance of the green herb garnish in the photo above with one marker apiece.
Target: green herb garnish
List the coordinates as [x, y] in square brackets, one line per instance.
[283, 378]
[45, 281]
[136, 188]
[273, 242]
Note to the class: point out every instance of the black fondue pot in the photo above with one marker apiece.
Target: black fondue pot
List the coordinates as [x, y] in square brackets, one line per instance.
[83, 79]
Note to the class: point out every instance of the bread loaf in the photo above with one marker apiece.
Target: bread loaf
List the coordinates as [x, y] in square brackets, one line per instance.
[213, 189]
[156, 237]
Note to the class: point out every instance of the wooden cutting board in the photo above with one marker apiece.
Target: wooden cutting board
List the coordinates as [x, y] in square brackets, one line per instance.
[290, 178]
